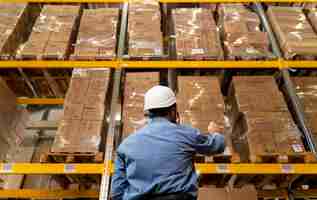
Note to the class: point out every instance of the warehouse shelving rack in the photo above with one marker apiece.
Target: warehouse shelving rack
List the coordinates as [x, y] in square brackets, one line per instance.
[119, 67]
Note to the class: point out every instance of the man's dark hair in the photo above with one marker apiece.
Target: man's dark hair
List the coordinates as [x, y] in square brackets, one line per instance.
[161, 112]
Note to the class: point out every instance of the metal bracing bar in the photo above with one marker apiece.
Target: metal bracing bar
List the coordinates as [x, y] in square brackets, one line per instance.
[115, 113]
[28, 82]
[288, 83]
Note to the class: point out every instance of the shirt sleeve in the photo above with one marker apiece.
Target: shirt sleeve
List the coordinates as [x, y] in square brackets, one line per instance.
[119, 180]
[209, 144]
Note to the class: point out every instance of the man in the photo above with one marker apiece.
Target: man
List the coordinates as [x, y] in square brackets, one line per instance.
[156, 162]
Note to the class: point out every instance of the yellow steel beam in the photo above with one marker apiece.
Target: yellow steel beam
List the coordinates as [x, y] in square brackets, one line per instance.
[300, 64]
[40, 101]
[58, 64]
[35, 168]
[48, 194]
[158, 64]
[200, 64]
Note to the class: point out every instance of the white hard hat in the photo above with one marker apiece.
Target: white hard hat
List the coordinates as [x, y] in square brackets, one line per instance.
[159, 97]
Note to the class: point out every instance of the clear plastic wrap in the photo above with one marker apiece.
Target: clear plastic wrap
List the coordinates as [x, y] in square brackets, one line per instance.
[199, 101]
[84, 112]
[197, 36]
[52, 33]
[136, 85]
[294, 32]
[97, 35]
[306, 89]
[10, 19]
[265, 127]
[144, 29]
[242, 34]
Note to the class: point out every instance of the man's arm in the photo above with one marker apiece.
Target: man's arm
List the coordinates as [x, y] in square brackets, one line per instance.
[212, 142]
[119, 180]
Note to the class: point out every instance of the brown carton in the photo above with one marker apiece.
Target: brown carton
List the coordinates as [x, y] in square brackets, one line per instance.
[97, 35]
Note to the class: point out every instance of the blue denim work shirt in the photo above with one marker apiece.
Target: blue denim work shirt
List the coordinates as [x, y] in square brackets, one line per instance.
[158, 159]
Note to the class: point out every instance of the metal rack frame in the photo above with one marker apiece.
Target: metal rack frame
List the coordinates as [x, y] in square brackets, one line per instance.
[120, 65]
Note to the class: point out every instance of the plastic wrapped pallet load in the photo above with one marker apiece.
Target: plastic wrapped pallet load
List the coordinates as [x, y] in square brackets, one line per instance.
[136, 85]
[144, 30]
[242, 33]
[15, 22]
[12, 121]
[261, 120]
[81, 129]
[295, 34]
[197, 36]
[200, 101]
[306, 89]
[97, 37]
[53, 33]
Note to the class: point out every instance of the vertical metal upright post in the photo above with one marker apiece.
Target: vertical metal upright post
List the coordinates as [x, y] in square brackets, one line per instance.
[296, 104]
[115, 112]
[172, 73]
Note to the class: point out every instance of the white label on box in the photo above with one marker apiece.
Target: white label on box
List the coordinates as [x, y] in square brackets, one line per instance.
[157, 51]
[197, 51]
[69, 168]
[298, 148]
[222, 168]
[287, 168]
[7, 168]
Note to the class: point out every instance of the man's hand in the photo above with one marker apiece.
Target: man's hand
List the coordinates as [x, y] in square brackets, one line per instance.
[213, 127]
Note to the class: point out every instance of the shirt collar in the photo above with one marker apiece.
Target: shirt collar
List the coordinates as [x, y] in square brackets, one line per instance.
[157, 119]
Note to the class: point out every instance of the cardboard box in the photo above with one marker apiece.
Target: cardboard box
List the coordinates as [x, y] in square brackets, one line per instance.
[84, 112]
[242, 34]
[293, 30]
[144, 30]
[52, 33]
[267, 127]
[197, 35]
[135, 86]
[97, 36]
[245, 193]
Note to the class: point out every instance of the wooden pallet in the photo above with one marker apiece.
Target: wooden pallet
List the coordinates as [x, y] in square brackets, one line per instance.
[306, 157]
[92, 58]
[72, 157]
[146, 58]
[220, 158]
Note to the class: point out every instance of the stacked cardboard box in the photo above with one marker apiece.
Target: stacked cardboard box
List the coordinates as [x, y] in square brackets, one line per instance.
[84, 112]
[53, 33]
[15, 21]
[12, 120]
[199, 102]
[97, 37]
[306, 88]
[197, 35]
[245, 193]
[293, 31]
[241, 31]
[267, 124]
[136, 85]
[144, 28]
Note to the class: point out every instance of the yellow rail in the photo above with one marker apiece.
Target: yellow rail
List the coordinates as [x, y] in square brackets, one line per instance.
[35, 168]
[48, 194]
[62, 1]
[158, 64]
[40, 101]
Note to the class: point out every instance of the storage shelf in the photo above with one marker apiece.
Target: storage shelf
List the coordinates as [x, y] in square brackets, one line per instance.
[48, 194]
[278, 64]
[247, 168]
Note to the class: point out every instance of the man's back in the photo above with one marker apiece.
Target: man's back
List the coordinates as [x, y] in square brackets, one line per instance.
[157, 159]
